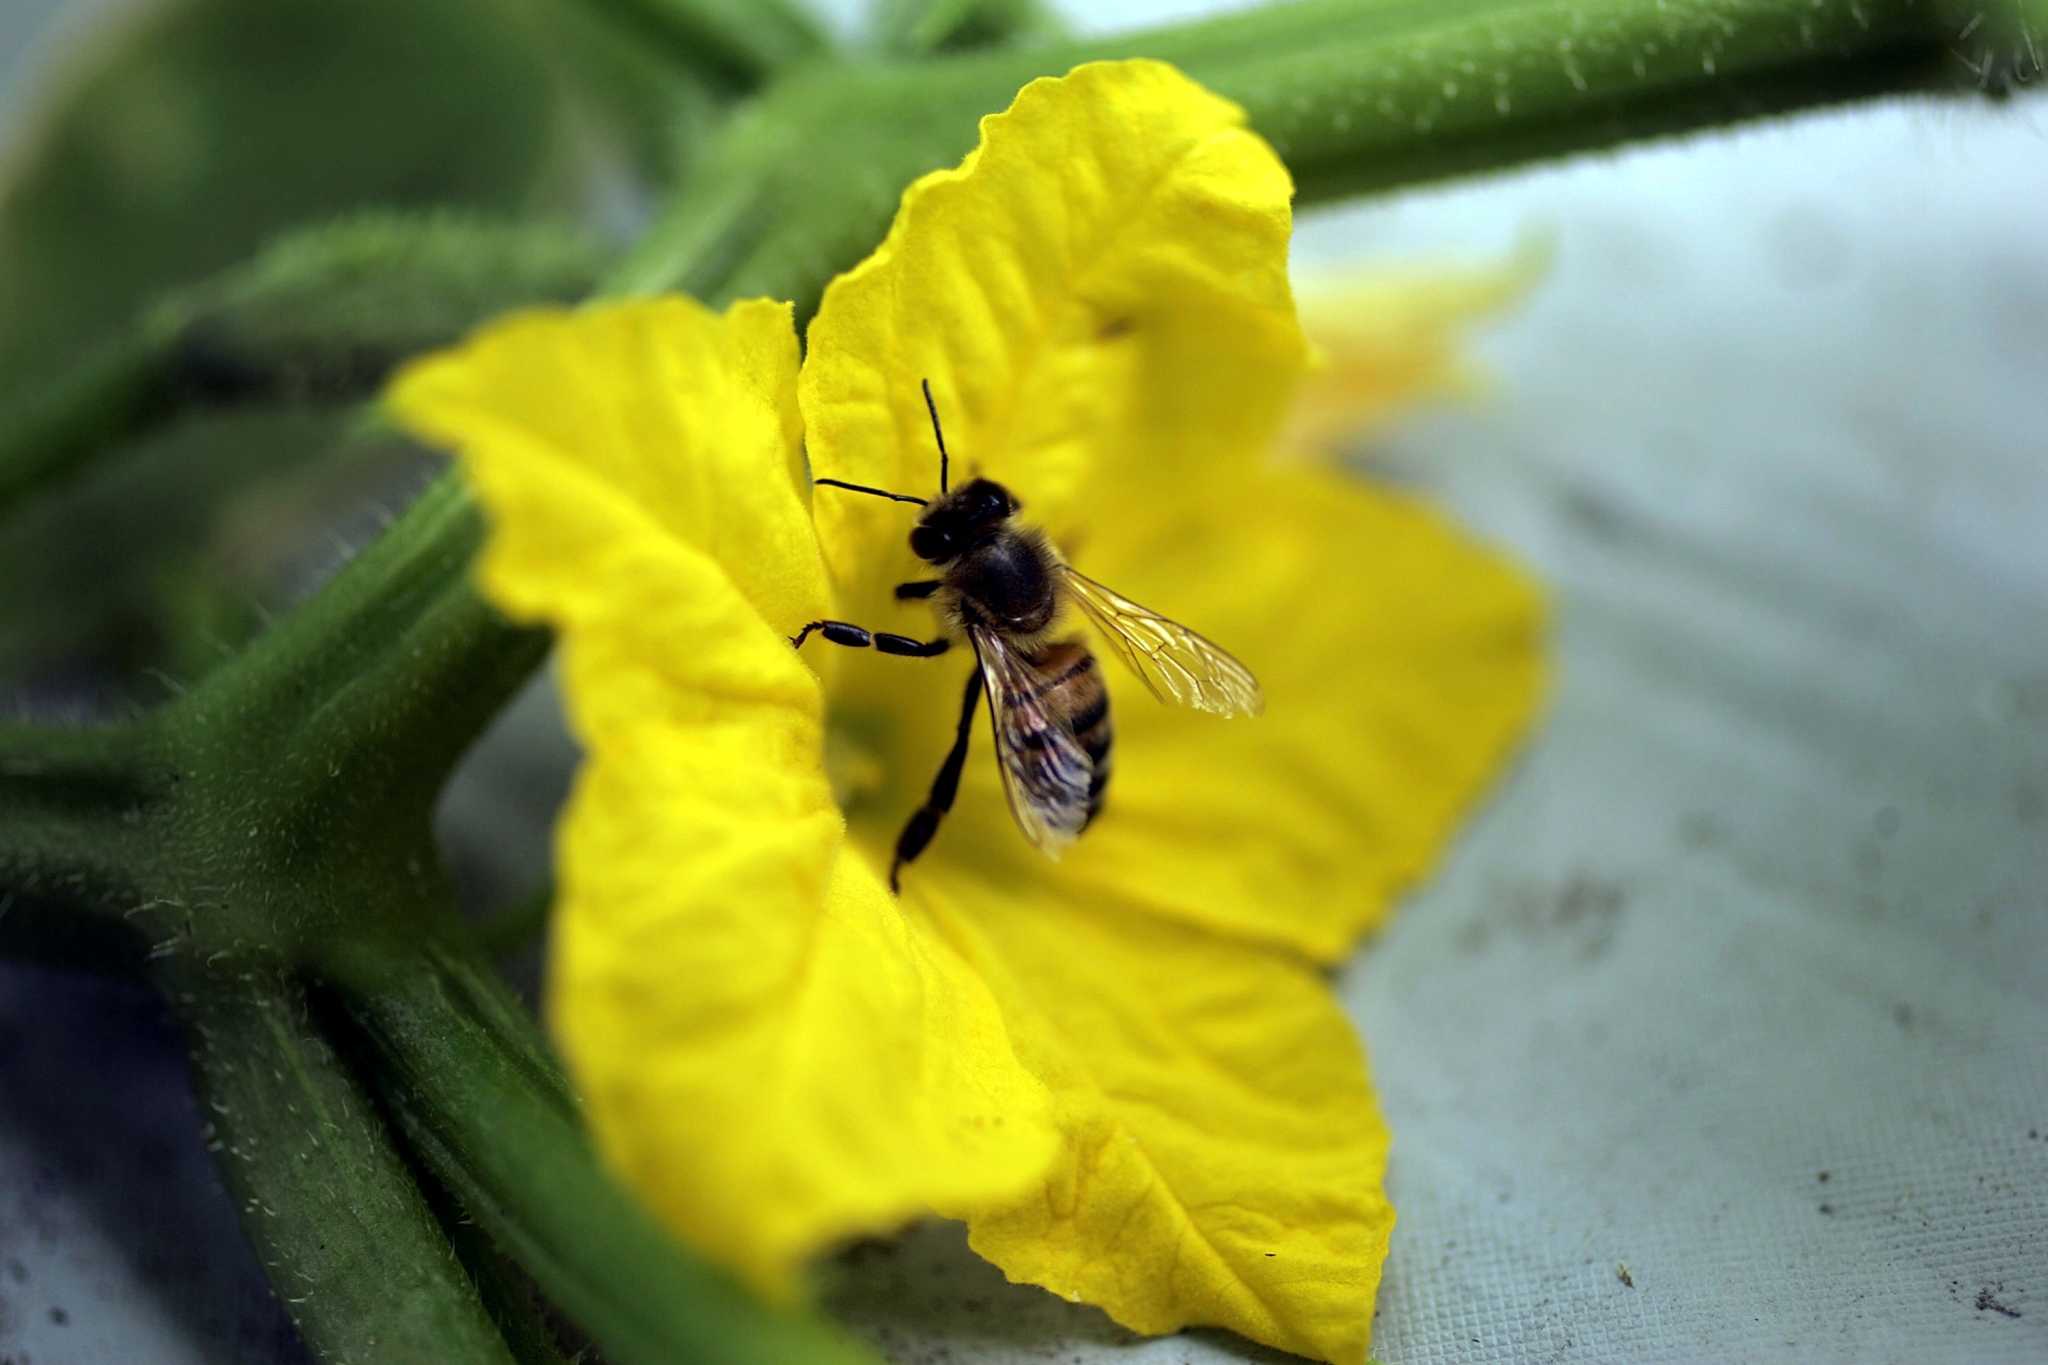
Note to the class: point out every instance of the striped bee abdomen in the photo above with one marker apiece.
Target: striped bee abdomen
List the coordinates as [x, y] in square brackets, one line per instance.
[1075, 693]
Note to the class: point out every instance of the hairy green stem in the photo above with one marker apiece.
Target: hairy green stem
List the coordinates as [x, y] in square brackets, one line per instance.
[457, 1075]
[76, 806]
[352, 710]
[2002, 45]
[355, 1255]
[1355, 95]
[291, 791]
[1362, 97]
[523, 1317]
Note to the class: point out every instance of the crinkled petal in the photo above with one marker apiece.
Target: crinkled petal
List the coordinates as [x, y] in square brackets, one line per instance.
[772, 1052]
[1103, 279]
[1401, 661]
[1223, 1151]
[600, 437]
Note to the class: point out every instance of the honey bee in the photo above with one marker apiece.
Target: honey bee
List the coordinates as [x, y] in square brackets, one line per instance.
[1001, 586]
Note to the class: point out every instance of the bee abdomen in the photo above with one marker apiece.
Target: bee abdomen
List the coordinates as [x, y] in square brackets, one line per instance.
[1076, 694]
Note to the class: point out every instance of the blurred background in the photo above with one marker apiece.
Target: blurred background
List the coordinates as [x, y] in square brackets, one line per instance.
[1723, 1032]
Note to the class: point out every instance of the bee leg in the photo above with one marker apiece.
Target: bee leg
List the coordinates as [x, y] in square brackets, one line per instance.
[925, 822]
[913, 592]
[859, 637]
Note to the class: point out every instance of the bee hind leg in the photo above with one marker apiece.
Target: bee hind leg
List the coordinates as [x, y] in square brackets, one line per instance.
[924, 822]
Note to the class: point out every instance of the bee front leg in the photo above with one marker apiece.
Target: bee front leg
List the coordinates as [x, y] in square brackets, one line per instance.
[860, 637]
[924, 823]
[918, 591]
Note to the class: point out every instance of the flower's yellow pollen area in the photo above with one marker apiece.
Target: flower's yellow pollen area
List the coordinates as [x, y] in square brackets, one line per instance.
[1124, 1070]
[857, 753]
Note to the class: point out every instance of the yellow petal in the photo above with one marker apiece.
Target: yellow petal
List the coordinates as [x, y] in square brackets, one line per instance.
[1401, 661]
[1384, 337]
[601, 437]
[1224, 1153]
[773, 1054]
[1102, 280]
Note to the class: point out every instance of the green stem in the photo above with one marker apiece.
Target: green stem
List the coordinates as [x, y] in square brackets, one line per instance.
[459, 1080]
[2002, 45]
[267, 806]
[509, 1294]
[320, 315]
[707, 231]
[363, 699]
[737, 43]
[1355, 95]
[914, 28]
[74, 809]
[1364, 97]
[355, 1255]
[122, 389]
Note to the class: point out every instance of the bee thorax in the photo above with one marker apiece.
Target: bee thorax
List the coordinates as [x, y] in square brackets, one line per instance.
[1007, 583]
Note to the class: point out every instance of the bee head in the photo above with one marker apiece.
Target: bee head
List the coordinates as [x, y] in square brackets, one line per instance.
[962, 519]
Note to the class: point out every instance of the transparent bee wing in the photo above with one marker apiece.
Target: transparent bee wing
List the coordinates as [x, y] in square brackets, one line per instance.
[1045, 770]
[1173, 661]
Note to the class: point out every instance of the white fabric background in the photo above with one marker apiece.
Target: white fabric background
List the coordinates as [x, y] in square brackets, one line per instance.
[1764, 898]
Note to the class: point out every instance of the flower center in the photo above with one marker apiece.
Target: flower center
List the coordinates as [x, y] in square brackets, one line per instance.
[856, 744]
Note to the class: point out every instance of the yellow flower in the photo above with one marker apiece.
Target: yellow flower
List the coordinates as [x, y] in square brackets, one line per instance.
[1124, 1070]
[1384, 337]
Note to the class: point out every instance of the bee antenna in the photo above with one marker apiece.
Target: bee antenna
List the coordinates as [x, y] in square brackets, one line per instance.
[933, 409]
[872, 492]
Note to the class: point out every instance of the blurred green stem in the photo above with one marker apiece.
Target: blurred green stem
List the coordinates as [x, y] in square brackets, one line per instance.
[513, 931]
[456, 1070]
[916, 27]
[737, 43]
[120, 389]
[321, 315]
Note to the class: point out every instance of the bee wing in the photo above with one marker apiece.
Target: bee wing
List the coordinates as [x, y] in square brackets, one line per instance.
[1045, 770]
[1173, 661]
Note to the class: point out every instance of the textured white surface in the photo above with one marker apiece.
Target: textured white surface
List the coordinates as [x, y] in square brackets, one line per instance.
[1770, 896]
